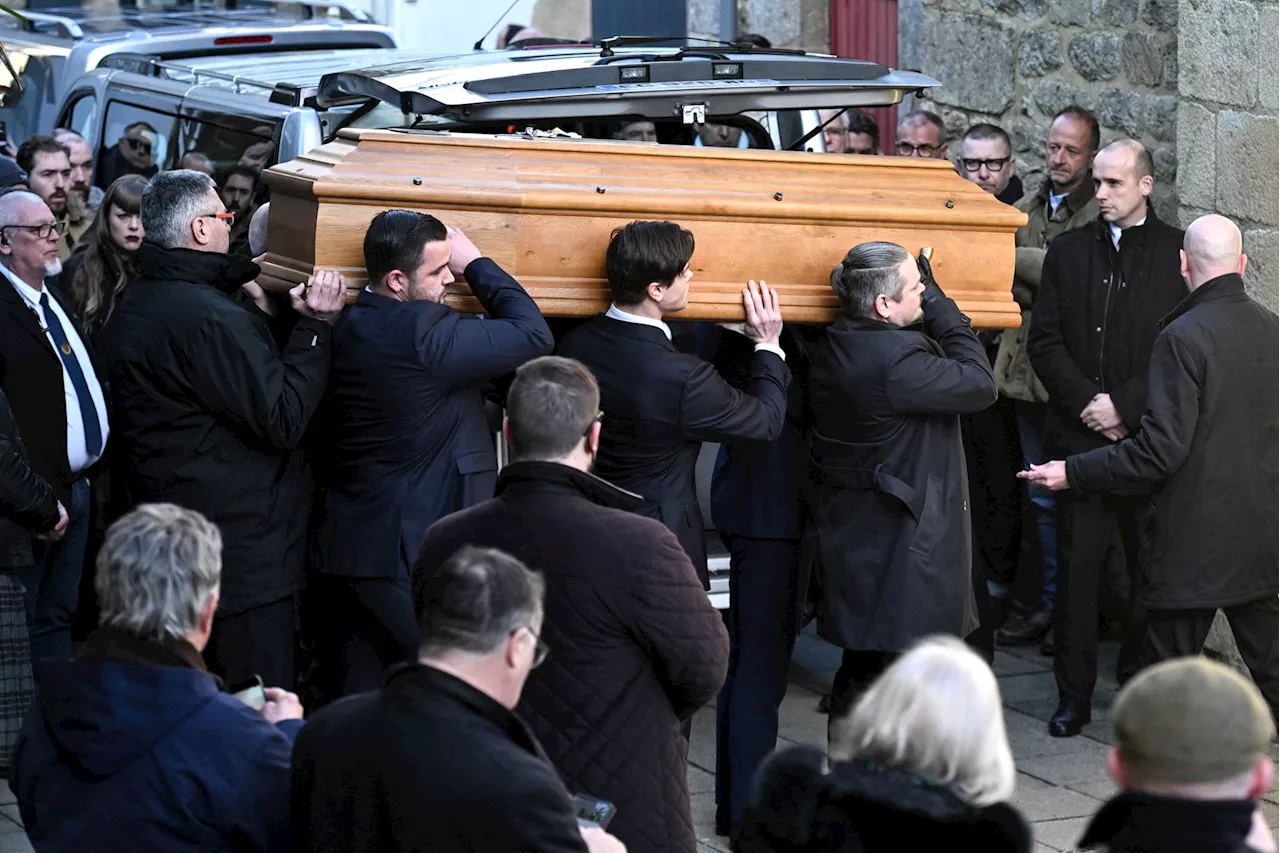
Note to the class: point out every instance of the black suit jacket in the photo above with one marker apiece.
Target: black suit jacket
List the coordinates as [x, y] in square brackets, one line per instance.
[31, 377]
[430, 764]
[659, 406]
[411, 442]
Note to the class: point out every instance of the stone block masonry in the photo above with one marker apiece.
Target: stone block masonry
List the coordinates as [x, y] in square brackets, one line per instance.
[1016, 63]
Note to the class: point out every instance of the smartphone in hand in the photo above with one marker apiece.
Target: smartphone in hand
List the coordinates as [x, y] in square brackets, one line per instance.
[593, 812]
[251, 692]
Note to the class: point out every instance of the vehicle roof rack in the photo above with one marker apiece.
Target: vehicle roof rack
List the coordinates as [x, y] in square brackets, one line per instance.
[69, 27]
[278, 93]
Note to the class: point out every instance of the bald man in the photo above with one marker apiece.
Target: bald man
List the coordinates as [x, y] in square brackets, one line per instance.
[1208, 446]
[1103, 290]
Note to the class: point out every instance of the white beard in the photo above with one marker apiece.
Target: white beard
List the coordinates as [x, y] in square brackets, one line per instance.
[52, 268]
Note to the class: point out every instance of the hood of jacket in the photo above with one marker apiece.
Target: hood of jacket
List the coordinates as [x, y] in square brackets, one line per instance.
[102, 715]
[225, 273]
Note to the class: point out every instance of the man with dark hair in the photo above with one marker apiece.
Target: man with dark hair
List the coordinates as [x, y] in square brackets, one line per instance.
[986, 158]
[133, 154]
[891, 499]
[237, 194]
[210, 412]
[639, 648]
[922, 134]
[661, 404]
[411, 442]
[1104, 290]
[47, 163]
[991, 436]
[863, 134]
[1063, 202]
[436, 760]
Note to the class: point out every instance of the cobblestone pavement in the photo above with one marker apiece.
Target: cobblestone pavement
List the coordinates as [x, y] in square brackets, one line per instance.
[1060, 782]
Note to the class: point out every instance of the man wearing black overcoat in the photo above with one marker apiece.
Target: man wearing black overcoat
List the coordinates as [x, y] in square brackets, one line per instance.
[660, 404]
[410, 441]
[890, 532]
[1208, 446]
[1103, 290]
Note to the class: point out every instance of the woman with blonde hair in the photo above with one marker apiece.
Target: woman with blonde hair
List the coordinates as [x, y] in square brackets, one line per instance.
[923, 764]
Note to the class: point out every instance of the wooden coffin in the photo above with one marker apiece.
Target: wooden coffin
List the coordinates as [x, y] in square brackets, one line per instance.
[544, 209]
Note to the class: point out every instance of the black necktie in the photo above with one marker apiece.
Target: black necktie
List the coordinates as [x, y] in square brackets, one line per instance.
[88, 411]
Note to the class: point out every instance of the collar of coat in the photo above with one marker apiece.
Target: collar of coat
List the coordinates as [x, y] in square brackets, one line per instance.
[521, 474]
[419, 678]
[1135, 821]
[1223, 286]
[226, 273]
[1075, 200]
[1135, 235]
[107, 644]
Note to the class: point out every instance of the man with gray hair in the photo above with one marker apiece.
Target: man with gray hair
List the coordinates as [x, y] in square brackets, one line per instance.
[133, 745]
[639, 648]
[211, 412]
[49, 373]
[891, 497]
[1208, 440]
[1191, 760]
[436, 760]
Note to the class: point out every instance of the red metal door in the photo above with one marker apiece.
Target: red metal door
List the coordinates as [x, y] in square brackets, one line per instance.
[868, 29]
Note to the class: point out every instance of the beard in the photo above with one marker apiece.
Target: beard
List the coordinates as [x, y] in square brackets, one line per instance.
[52, 268]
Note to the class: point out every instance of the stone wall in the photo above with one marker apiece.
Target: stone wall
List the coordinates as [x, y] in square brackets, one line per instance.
[1017, 62]
[802, 24]
[1227, 126]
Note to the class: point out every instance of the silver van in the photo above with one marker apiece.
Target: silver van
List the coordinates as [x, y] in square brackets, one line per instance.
[52, 48]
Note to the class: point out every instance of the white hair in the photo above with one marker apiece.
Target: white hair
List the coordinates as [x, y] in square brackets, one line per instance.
[157, 569]
[12, 203]
[936, 712]
[258, 230]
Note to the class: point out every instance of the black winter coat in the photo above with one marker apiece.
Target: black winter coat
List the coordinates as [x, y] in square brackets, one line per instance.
[27, 504]
[1093, 328]
[867, 807]
[1146, 823]
[209, 413]
[890, 533]
[427, 764]
[636, 647]
[1208, 444]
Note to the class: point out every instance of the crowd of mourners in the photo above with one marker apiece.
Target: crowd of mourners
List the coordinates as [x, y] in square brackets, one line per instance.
[279, 500]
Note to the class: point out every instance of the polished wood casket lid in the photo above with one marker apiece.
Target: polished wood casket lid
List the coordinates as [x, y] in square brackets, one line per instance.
[544, 208]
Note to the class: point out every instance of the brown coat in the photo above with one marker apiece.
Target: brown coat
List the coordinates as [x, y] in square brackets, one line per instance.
[636, 647]
[1014, 376]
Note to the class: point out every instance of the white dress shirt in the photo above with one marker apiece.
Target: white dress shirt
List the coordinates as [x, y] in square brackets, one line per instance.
[618, 314]
[1116, 229]
[1055, 199]
[77, 454]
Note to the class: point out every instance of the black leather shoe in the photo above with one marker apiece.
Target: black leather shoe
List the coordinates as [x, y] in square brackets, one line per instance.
[1046, 645]
[1070, 718]
[1025, 630]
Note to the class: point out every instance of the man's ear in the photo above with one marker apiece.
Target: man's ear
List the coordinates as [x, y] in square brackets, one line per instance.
[1146, 184]
[206, 614]
[1115, 767]
[1244, 263]
[1262, 773]
[506, 431]
[200, 230]
[593, 438]
[882, 307]
[396, 282]
[655, 290]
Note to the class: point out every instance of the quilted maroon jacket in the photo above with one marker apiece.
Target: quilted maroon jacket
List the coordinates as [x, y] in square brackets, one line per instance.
[636, 648]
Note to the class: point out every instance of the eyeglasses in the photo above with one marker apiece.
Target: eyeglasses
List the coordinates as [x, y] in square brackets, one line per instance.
[142, 146]
[42, 232]
[906, 148]
[227, 217]
[992, 165]
[540, 650]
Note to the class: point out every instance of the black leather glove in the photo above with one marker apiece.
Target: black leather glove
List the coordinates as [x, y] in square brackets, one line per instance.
[932, 292]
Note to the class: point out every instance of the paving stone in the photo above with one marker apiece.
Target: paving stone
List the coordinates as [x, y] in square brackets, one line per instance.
[1007, 664]
[1015, 688]
[1060, 835]
[1100, 790]
[702, 740]
[1087, 765]
[1051, 803]
[799, 720]
[701, 781]
[6, 793]
[11, 812]
[703, 807]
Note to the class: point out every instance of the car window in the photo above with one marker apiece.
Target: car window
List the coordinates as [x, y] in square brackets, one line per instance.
[135, 141]
[79, 114]
[22, 107]
[233, 150]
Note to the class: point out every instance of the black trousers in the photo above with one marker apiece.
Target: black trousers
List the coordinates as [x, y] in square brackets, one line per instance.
[359, 627]
[762, 634]
[1255, 624]
[993, 456]
[1085, 527]
[255, 642]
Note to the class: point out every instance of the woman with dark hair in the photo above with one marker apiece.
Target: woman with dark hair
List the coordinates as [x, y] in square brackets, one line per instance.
[97, 271]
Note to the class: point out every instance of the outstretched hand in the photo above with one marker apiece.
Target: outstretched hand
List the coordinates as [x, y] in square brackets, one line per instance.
[1050, 475]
